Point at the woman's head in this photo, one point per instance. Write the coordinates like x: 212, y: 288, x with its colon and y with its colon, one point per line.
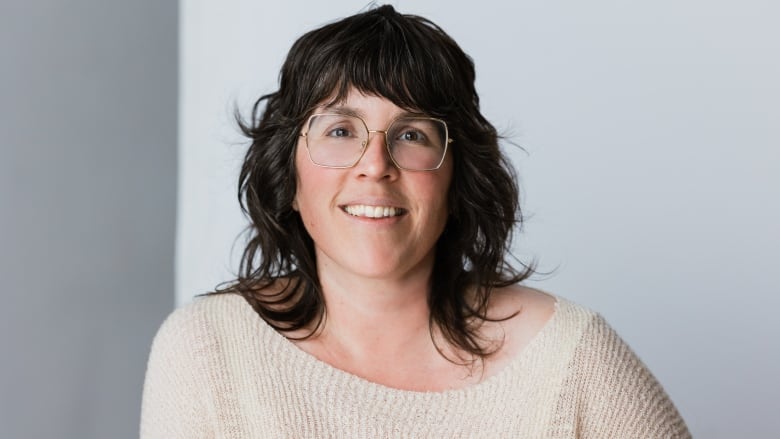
x: 416, y: 66
x: 406, y: 59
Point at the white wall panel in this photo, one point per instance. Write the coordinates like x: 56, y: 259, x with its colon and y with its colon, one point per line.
x: 650, y: 176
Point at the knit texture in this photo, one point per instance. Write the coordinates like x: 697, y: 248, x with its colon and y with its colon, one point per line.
x: 217, y: 370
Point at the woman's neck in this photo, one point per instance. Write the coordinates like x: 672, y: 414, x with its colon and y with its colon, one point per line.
x: 375, y: 316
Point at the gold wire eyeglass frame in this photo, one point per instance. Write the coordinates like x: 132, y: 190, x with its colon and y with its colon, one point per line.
x: 364, y: 145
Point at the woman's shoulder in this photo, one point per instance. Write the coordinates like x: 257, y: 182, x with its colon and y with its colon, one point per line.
x: 205, y: 308
x: 573, y: 333
x: 548, y: 322
x: 200, y: 320
x: 186, y: 367
x: 532, y: 309
x: 531, y: 303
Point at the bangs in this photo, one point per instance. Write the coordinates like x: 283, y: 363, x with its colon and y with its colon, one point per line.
x: 405, y: 59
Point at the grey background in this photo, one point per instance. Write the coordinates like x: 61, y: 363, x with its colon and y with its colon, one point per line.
x: 88, y: 96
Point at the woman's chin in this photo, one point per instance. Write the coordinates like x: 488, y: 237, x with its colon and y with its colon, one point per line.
x: 375, y: 267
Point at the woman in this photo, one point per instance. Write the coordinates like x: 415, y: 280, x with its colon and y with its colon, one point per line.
x: 374, y: 297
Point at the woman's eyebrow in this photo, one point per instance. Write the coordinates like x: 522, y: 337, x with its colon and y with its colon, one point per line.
x: 351, y: 111
x: 344, y: 110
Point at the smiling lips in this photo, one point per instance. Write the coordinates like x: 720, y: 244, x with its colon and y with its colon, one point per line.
x: 366, y: 211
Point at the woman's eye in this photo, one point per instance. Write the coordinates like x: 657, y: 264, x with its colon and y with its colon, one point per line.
x: 411, y: 136
x: 339, y: 132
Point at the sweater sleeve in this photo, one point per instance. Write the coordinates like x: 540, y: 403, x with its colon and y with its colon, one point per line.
x: 618, y: 397
x: 174, y: 404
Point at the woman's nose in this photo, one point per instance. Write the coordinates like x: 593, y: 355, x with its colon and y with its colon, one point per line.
x: 376, y: 161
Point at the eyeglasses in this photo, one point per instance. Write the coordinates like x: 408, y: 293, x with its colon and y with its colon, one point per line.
x: 413, y: 143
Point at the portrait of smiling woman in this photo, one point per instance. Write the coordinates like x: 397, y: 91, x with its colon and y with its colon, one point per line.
x: 377, y: 295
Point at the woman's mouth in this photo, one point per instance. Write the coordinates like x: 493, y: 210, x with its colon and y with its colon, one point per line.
x: 366, y: 211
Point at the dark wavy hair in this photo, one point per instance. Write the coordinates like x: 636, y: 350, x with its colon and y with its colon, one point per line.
x: 412, y: 62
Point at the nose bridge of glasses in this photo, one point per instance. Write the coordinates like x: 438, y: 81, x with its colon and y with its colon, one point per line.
x: 378, y: 131
x: 384, y: 148
x: 368, y: 138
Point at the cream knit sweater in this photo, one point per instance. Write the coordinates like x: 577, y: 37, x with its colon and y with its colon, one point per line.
x: 217, y: 370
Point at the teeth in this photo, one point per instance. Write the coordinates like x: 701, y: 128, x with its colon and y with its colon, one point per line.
x: 372, y: 211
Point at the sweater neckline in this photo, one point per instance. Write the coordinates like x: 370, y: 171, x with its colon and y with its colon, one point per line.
x: 340, y: 377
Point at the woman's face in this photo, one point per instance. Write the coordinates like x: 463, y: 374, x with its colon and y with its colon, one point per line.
x: 339, y: 206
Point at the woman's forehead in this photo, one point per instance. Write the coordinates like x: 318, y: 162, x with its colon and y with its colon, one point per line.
x: 355, y: 102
